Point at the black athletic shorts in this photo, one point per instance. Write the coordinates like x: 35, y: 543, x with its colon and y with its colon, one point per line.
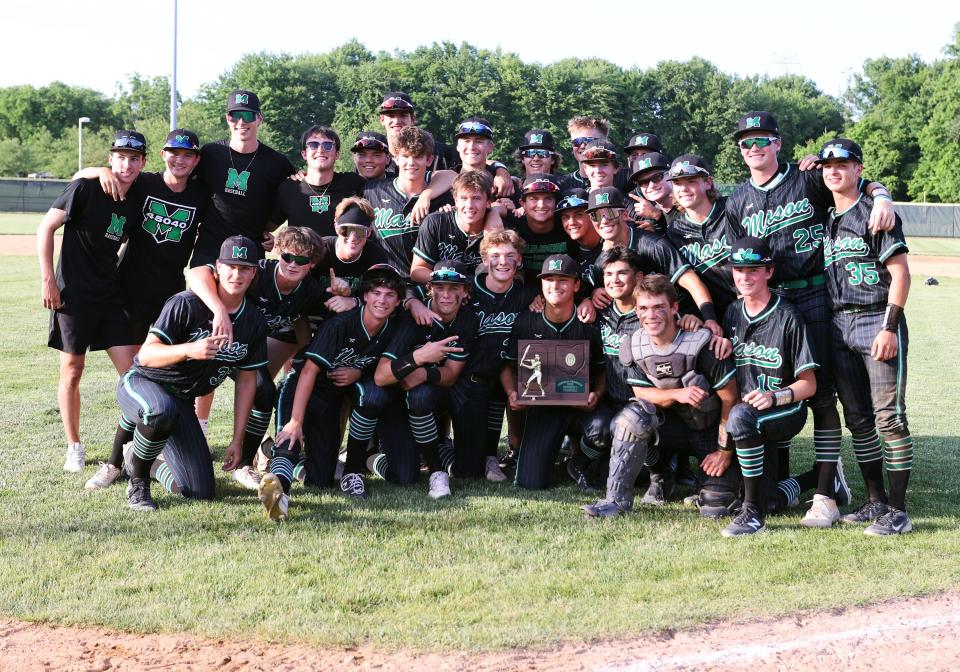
x: 77, y: 330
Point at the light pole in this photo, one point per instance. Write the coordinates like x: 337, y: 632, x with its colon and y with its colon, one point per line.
x: 173, y: 78
x: 80, y: 122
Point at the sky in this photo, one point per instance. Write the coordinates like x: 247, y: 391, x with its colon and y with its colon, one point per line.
x: 99, y: 43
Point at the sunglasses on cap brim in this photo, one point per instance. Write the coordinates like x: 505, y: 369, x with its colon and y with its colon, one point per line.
x: 540, y: 186
x: 127, y: 142
x: 474, y: 128
x: 840, y: 154
x: 396, y: 104
x: 368, y: 143
x: 571, y: 202
x: 688, y: 170
x: 446, y: 275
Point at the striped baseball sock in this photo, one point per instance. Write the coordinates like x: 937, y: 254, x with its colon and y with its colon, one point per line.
x: 827, y: 437
x: 379, y: 465
x: 424, y: 429
x: 495, y: 411
x: 257, y: 424
x: 163, y: 474
x: 148, y: 442
x: 898, y: 460
x: 123, y: 435
x: 866, y: 448
x: 362, y: 429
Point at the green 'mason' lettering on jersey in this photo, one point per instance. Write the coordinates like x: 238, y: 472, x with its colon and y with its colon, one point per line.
x: 706, y: 255
x: 115, y: 230
x: 843, y: 248
x: 756, y: 354
x: 611, y: 340
x: 237, y: 180
x: 389, y: 224
x: 319, y: 203
x: 766, y: 222
x: 165, y: 221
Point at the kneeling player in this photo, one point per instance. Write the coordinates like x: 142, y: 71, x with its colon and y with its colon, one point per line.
x: 775, y: 373
x: 339, y: 362
x: 180, y: 361
x: 682, y: 393
x: 868, y: 279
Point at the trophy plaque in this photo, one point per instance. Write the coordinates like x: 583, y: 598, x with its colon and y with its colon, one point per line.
x: 553, y: 373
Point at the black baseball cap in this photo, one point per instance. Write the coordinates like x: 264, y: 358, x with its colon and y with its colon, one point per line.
x: 756, y: 121
x: 181, y: 138
x: 447, y: 271
x: 540, y: 183
x: 689, y: 165
x: 645, y: 141
x: 842, y: 149
x: 370, y: 140
x: 131, y: 140
x: 750, y: 251
x: 382, y: 269
x: 396, y: 101
x: 538, y: 138
x: 474, y: 126
x: 600, y: 150
x: 573, y: 199
x: 605, y: 197
x: 239, y: 251
x: 648, y: 162
x: 241, y: 99
x: 559, y: 264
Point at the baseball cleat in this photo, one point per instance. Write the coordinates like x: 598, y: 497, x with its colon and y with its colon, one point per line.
x: 138, y: 495
x: 604, y: 508
x: 509, y: 459
x: 273, y: 498
x: 823, y: 513
x: 659, y: 490
x: 867, y: 512
x: 105, y: 476
x: 439, y: 484
x: 749, y: 521
x: 247, y: 477
x: 842, y: 495
x: 493, y: 471
x: 579, y: 476
x: 261, y: 461
x: 894, y: 521
x: 353, y: 485
x: 76, y: 458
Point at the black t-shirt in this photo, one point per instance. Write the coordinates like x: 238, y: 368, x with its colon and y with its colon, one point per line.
x: 343, y: 341
x: 302, y: 204
x: 185, y: 319
x: 242, y: 189
x: 281, y: 311
x: 351, y: 271
x: 496, y: 314
x: 540, y: 245
x: 441, y: 238
x: 160, y: 244
x: 410, y: 336
x: 87, y: 272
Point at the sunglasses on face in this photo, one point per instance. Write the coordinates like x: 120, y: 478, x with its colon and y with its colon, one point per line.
x: 581, y: 141
x: 597, y: 216
x: 126, y: 142
x: 355, y: 230
x: 298, y: 259
x: 749, y: 143
x: 395, y: 103
x: 536, y: 153
x: 242, y: 115
x: 325, y: 145
x: 656, y: 178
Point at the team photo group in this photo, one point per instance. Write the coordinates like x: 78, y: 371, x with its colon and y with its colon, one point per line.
x: 625, y: 326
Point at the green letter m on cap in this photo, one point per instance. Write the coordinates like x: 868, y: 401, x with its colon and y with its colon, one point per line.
x: 753, y: 122
x: 239, y: 253
x: 603, y: 199
x: 536, y: 138
x: 557, y: 264
x: 242, y: 98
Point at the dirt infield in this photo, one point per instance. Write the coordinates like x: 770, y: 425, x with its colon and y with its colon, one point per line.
x: 906, y: 635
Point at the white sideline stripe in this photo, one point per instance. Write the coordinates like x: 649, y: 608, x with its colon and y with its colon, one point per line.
x: 746, y: 652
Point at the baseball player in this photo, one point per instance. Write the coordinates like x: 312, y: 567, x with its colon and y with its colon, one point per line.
x: 371, y: 155
x: 644, y: 213
x: 354, y: 249
x: 538, y: 153
x: 85, y: 294
x: 583, y: 130
x: 775, y: 373
x: 397, y: 113
x: 572, y: 210
x: 682, y: 394
x: 868, y: 279
x: 312, y: 201
x: 182, y: 359
x: 650, y: 174
x: 787, y: 207
x: 538, y: 226
x: 600, y: 163
x: 337, y: 365
x: 426, y: 362
x: 544, y: 426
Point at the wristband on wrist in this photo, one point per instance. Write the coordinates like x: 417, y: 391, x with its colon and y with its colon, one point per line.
x: 882, y: 197
x: 783, y: 397
x: 707, y: 311
x: 403, y: 366
x: 891, y: 318
x: 433, y: 375
x: 496, y: 165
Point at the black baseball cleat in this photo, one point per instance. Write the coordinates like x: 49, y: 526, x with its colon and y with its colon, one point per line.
x: 894, y: 521
x: 509, y: 459
x: 659, y: 490
x: 353, y: 485
x: 138, y: 495
x: 867, y: 512
x: 579, y: 476
x: 748, y: 521
x: 604, y: 508
x: 842, y: 494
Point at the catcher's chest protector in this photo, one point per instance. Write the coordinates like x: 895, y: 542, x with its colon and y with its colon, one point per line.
x: 666, y: 366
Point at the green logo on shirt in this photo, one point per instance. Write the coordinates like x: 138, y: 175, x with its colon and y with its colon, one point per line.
x: 237, y: 182
x: 165, y: 221
x: 319, y: 203
x: 115, y: 230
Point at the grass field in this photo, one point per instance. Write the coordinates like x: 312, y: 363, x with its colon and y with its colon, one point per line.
x: 490, y: 567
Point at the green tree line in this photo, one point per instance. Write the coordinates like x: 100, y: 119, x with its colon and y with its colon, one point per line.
x: 906, y: 113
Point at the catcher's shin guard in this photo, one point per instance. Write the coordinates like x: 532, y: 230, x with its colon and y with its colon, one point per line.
x: 632, y: 428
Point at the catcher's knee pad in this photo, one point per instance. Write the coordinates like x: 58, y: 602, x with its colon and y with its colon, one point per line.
x: 637, y: 421
x: 720, y: 495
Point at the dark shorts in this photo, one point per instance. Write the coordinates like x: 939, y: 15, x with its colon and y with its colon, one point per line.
x: 141, y: 319
x: 77, y: 330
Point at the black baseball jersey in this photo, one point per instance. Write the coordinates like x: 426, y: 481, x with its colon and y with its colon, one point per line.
x: 343, y: 341
x: 659, y: 224
x: 575, y: 180
x: 242, y: 189
x: 160, y: 243
x: 397, y: 233
x: 351, y: 271
x: 302, y: 204
x: 93, y: 230
x: 789, y: 212
x: 496, y: 314
x: 440, y: 237
x: 444, y: 157
x: 854, y: 259
x: 531, y: 326
x: 410, y: 336
x: 706, y: 247
x: 281, y: 311
x: 656, y: 254
x: 718, y: 372
x: 614, y: 326
x: 185, y: 319
x: 771, y: 348
x: 539, y: 246
x: 587, y: 258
